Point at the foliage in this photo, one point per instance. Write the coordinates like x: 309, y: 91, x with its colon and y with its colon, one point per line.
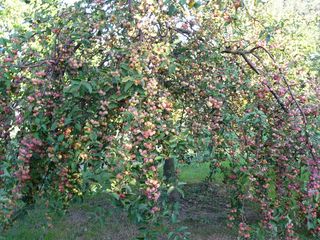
x: 99, y: 94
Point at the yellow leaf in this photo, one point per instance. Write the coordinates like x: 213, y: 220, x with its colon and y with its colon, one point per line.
x: 191, y: 3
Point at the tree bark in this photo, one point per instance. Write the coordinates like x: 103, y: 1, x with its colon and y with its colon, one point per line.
x: 169, y: 172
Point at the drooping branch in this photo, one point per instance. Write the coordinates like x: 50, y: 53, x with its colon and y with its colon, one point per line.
x: 304, y: 118
x: 244, y: 54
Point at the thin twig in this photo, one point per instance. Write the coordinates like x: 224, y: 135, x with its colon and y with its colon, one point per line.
x: 244, y: 54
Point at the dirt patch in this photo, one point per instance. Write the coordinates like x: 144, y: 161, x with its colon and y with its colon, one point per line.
x: 99, y: 219
x: 204, y: 210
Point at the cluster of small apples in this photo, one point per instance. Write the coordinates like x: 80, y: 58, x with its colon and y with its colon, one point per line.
x: 5, y: 113
x: 29, y: 146
x: 244, y: 230
x: 278, y: 144
x: 64, y: 182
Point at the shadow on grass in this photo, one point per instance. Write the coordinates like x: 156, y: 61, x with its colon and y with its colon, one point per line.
x: 97, y: 218
x: 203, y: 210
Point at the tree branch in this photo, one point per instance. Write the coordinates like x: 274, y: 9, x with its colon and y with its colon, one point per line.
x: 244, y: 54
x: 304, y: 118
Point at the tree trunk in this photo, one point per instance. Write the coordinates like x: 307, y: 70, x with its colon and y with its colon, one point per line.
x: 169, y: 172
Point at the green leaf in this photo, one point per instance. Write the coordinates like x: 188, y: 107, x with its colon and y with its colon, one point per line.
x: 174, y: 218
x: 170, y: 190
x: 53, y: 126
x: 310, y: 225
x: 60, y: 138
x: 170, y: 235
x: 158, y: 158
x: 67, y: 121
x: 182, y: 229
x: 78, y: 127
x: 128, y: 86
x: 172, y: 68
x: 124, y: 66
x: 181, y: 192
x: 126, y: 79
x: 87, y: 86
x: 197, y: 4
x: 172, y: 10
x: 225, y: 164
x: 3, y: 41
x: 112, y: 105
x: 116, y: 196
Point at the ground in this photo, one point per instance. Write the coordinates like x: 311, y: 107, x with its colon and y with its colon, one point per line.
x: 203, y: 210
x: 96, y: 218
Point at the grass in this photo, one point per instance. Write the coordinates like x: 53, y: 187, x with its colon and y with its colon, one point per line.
x: 193, y: 173
x: 203, y: 212
x: 94, y: 218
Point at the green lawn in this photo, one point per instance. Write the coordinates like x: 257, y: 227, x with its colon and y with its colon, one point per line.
x: 193, y: 173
